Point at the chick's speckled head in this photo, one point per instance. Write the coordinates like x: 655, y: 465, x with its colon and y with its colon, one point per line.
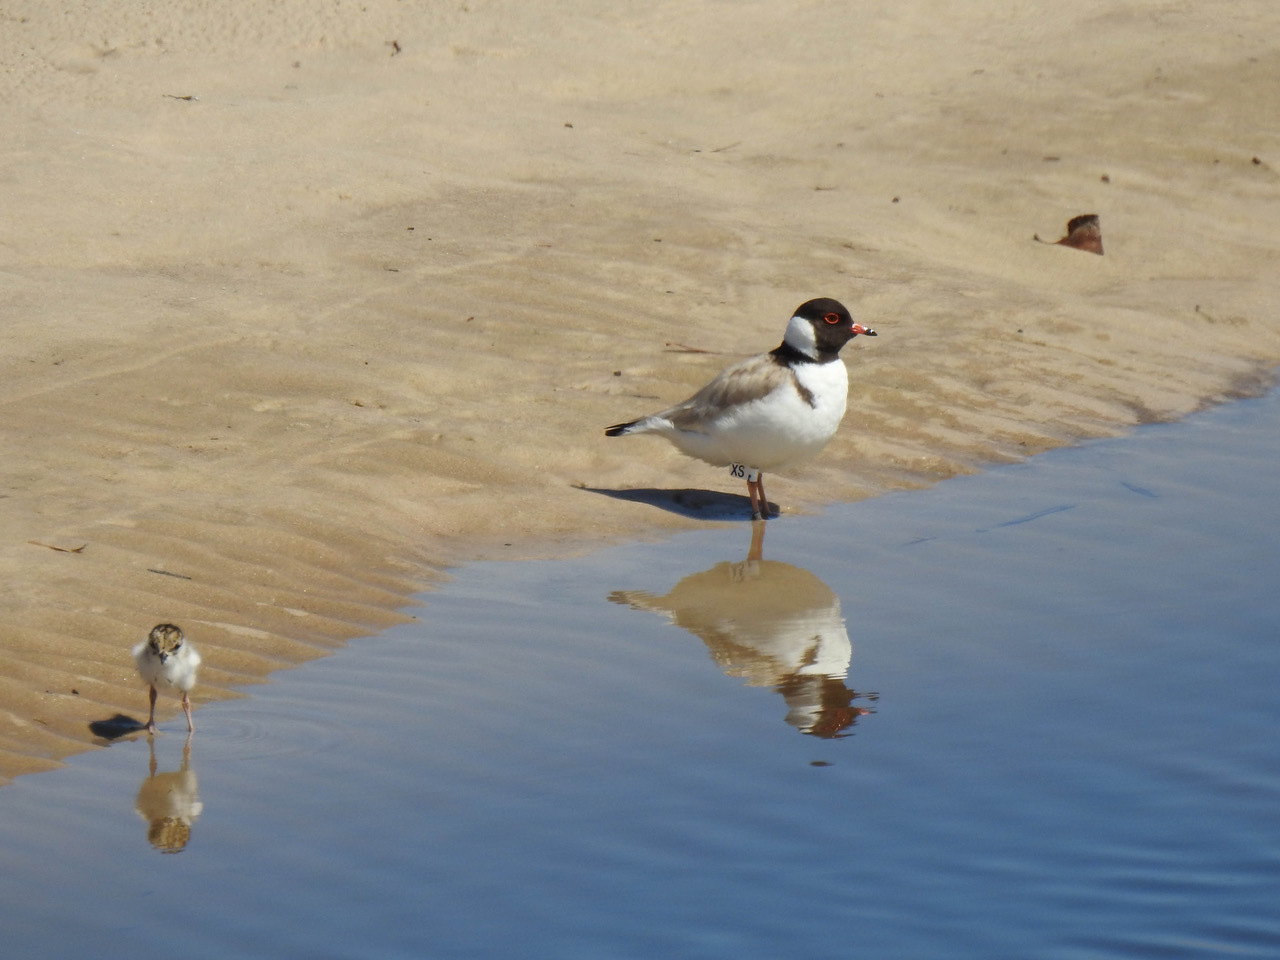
x: 165, y: 640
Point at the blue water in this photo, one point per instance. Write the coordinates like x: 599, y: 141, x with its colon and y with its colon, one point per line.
x: 1050, y: 718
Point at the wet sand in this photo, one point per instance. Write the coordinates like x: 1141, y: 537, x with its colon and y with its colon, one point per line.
x: 305, y: 306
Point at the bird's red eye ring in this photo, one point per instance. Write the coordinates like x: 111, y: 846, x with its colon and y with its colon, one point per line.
x: 832, y: 318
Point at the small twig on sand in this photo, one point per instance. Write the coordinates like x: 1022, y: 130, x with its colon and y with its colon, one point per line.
x: 50, y: 546
x: 166, y: 573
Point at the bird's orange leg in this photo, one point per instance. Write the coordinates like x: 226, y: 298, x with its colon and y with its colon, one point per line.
x: 151, y: 716
x: 759, y: 502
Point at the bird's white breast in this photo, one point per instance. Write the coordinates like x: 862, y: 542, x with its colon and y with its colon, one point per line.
x: 828, y: 384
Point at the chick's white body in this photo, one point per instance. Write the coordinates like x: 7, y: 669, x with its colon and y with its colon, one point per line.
x: 172, y: 671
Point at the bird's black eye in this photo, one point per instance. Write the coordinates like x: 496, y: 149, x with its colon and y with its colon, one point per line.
x: 832, y: 318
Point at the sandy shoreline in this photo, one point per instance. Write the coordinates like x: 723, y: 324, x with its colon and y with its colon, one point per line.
x: 278, y: 355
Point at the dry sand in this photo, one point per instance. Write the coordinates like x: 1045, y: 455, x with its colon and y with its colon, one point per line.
x: 305, y: 302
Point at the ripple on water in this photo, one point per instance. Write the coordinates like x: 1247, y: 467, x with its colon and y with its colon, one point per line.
x: 269, y: 729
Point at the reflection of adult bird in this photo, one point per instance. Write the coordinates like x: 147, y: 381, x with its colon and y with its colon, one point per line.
x: 771, y: 410
x: 170, y: 803
x: 772, y: 625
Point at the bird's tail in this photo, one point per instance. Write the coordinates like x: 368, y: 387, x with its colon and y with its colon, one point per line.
x: 622, y: 429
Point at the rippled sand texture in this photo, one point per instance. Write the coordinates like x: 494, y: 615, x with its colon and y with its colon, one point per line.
x: 305, y: 303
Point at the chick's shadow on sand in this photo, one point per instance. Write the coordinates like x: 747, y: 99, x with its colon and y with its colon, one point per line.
x: 113, y: 728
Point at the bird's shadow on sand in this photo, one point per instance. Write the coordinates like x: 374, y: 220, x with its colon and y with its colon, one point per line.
x: 695, y: 504
x: 115, y: 727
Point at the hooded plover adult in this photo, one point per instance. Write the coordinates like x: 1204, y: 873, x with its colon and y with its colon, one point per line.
x: 771, y: 410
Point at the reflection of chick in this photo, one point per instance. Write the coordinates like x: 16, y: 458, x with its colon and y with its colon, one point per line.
x: 165, y: 659
x: 170, y: 804
x: 771, y: 624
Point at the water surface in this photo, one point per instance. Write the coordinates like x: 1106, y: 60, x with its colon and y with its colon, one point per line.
x: 1030, y: 713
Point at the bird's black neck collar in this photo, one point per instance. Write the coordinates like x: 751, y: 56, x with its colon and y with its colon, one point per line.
x: 789, y: 356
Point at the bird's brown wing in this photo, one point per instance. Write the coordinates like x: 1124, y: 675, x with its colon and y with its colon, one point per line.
x: 741, y: 383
